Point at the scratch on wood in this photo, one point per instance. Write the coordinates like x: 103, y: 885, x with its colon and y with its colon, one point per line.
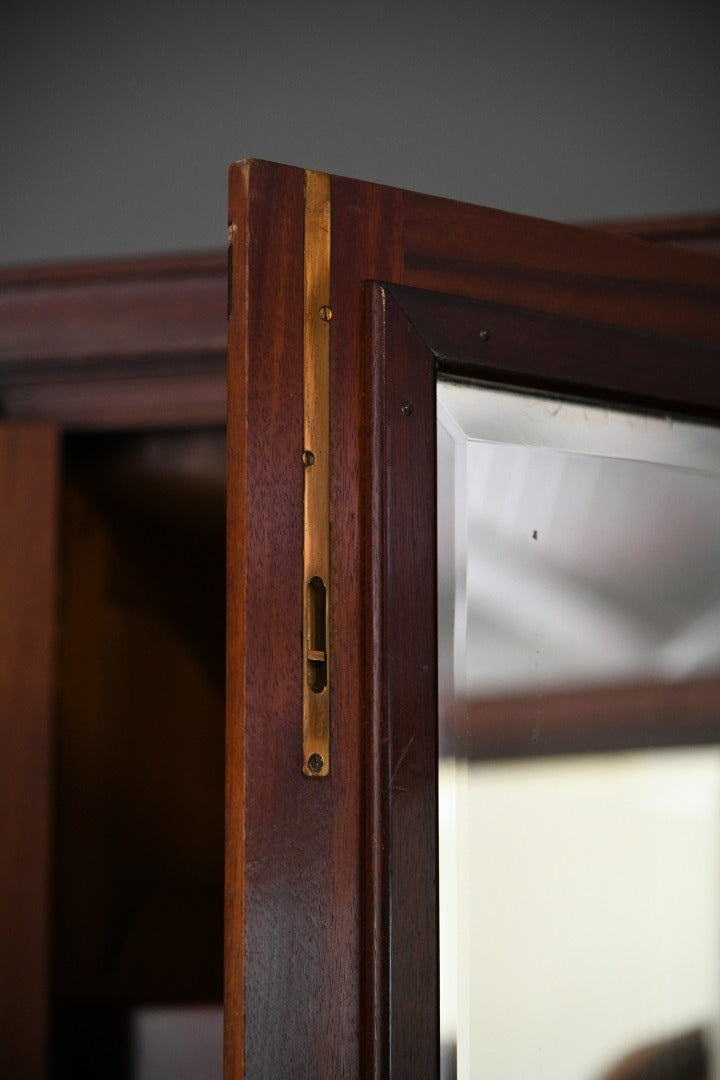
x: 401, y: 759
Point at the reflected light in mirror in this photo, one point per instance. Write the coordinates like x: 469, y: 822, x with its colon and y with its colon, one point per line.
x: 579, y: 783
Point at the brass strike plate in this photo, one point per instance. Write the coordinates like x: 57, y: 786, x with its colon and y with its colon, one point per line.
x: 316, y: 536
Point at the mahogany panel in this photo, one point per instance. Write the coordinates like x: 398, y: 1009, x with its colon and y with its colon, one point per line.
x: 284, y: 1007
x: 28, y: 502
x: 561, y: 269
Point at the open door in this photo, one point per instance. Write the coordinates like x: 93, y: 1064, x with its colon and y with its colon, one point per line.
x: 348, y: 302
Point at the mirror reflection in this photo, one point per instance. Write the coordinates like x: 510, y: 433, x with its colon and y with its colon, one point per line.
x: 579, y: 772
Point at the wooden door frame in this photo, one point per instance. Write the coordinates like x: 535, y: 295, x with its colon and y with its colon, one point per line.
x: 309, y: 984
x: 417, y: 338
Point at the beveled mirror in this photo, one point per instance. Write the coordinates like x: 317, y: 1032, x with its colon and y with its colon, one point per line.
x: 579, y: 689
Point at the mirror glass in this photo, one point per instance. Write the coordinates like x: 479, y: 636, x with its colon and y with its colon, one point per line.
x: 579, y: 776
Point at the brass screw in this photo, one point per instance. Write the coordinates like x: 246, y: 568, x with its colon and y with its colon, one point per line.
x: 308, y: 457
x: 484, y: 334
x: 316, y: 763
x: 406, y: 408
x: 326, y: 313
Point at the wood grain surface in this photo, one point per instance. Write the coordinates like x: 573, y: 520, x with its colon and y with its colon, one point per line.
x: 402, y: 658
x: 511, y: 346
x: 273, y: 868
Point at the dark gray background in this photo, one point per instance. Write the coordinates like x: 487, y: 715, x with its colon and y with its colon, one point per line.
x: 119, y: 120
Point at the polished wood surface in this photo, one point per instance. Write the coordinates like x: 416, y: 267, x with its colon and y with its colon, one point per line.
x: 268, y: 858
x: 559, y: 269
x: 29, y: 475
x: 302, y: 839
x: 511, y: 346
x: 371, y: 213
x: 402, y: 658
x: 309, y: 978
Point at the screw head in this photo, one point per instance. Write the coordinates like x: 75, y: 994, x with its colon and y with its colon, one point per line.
x: 484, y: 334
x: 406, y: 408
x: 316, y: 763
x: 326, y: 313
x: 308, y: 457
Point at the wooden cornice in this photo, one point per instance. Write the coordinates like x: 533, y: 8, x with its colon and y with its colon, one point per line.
x: 128, y: 343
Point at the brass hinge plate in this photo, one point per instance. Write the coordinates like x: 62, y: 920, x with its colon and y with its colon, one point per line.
x: 316, y: 537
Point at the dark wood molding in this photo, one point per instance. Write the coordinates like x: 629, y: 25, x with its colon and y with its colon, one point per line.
x: 98, y: 395
x: 366, y: 243
x: 510, y: 346
x: 113, y: 310
x: 138, y: 343
x: 401, y: 839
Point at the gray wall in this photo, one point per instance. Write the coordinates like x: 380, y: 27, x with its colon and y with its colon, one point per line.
x: 119, y: 120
